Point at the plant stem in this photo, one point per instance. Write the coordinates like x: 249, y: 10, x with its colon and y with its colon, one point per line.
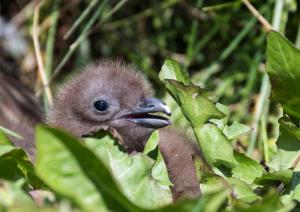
x: 297, y: 43
x: 81, y: 37
x: 264, y: 94
x: 267, y: 26
x: 37, y: 49
x: 50, y: 44
x: 84, y: 14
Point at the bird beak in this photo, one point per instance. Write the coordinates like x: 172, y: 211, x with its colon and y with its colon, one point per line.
x: 141, y: 116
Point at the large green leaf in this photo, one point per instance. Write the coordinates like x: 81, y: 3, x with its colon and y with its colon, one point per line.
x: 199, y: 110
x: 74, y: 171
x: 144, y: 181
x: 283, y: 62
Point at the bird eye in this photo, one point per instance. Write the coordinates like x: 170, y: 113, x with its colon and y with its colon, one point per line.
x: 100, y: 105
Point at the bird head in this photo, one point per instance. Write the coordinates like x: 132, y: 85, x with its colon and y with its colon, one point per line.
x: 111, y: 96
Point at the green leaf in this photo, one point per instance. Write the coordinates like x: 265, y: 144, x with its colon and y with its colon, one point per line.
x: 4, y: 139
x: 294, y: 187
x: 269, y: 203
x: 159, y: 170
x: 283, y: 176
x: 211, y: 183
x: 160, y: 173
x: 216, y: 148
x: 221, y: 123
x: 197, y: 108
x: 171, y: 70
x: 151, y: 143
x: 296, y: 193
x: 283, y: 62
x: 232, y: 131
x: 144, y: 181
x: 16, y: 164
x: 72, y: 170
x: 288, y: 145
x: 247, y: 169
x: 235, y: 130
x: 242, y: 191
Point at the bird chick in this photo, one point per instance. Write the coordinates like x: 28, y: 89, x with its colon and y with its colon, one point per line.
x: 115, y: 97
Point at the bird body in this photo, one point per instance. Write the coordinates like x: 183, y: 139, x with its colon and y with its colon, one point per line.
x: 19, y: 111
x: 114, y: 96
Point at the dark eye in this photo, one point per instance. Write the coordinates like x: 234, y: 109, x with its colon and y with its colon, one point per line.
x: 100, y: 105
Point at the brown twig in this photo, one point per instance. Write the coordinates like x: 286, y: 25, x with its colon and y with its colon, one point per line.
x: 267, y: 26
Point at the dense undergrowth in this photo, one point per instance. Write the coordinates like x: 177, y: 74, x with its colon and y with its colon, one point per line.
x: 249, y: 167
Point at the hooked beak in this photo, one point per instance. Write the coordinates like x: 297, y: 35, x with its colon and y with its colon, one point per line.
x: 141, y: 116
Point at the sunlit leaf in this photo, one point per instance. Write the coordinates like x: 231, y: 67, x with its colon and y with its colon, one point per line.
x: 68, y: 170
x: 144, y: 181
x: 283, y: 62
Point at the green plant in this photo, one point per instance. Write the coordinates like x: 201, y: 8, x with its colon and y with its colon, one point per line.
x: 246, y: 168
x: 96, y: 174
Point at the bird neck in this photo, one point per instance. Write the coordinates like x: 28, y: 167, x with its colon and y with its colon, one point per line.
x: 133, y: 139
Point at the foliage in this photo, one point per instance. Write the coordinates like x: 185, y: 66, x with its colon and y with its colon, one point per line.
x: 251, y: 158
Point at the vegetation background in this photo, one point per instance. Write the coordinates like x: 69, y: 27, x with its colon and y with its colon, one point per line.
x: 220, y: 43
